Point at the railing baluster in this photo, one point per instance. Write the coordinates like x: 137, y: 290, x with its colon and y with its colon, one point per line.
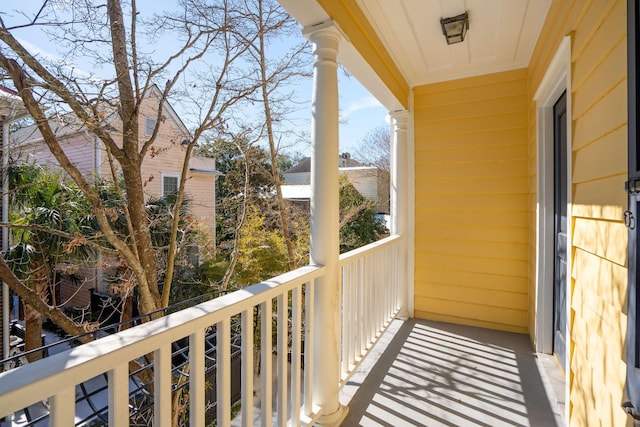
x: 63, y: 405
x: 266, y: 376
x: 376, y: 275
x: 282, y: 338
x: 196, y: 379
x: 118, y: 378
x: 394, y: 277
x: 383, y: 293
x: 366, y: 294
x: 223, y: 372
x: 376, y: 297
x: 308, y: 347
x: 360, y: 312
x: 162, y: 386
x: 399, y: 274
x: 296, y: 335
x: 346, y: 326
x: 388, y: 285
x: 384, y: 285
x: 396, y: 270
x: 247, y: 367
x: 380, y: 293
x: 368, y: 301
x: 352, y: 315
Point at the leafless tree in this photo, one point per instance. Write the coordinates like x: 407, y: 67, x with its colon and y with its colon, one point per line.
x: 273, y: 77
x: 375, y: 149
x: 128, y: 54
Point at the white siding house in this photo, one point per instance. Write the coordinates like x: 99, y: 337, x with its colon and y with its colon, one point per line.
x: 371, y: 182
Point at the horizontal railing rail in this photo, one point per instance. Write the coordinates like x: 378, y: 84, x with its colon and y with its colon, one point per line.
x: 286, y: 301
x: 271, y: 320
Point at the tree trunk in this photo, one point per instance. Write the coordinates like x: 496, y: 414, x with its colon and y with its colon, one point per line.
x: 150, y: 299
x: 29, y: 296
x: 38, y: 282
x: 33, y: 332
x: 284, y: 220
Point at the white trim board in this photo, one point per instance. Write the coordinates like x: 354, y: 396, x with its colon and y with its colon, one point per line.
x: 557, y: 79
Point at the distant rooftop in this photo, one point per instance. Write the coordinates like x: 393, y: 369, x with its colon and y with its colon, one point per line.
x: 304, y: 165
x: 11, y: 105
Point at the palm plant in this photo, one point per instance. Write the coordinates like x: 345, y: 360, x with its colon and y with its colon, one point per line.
x: 47, y: 215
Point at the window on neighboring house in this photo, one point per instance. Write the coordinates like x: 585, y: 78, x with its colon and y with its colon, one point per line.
x: 149, y: 126
x: 631, y: 215
x: 169, y: 184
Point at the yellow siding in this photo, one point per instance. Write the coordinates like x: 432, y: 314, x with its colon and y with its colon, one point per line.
x: 599, y: 243
x: 476, y: 194
x: 471, y: 244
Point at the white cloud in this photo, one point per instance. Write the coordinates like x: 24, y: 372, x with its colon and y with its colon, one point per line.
x: 38, y: 52
x: 360, y: 104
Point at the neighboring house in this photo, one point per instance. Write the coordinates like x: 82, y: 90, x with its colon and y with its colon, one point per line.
x: 161, y: 168
x: 371, y: 182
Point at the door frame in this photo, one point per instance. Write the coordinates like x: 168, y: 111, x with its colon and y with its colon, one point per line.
x: 557, y: 79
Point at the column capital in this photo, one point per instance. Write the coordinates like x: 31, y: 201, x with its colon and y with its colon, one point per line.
x: 399, y: 117
x: 325, y: 30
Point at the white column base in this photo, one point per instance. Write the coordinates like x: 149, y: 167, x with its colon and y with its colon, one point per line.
x: 403, y: 314
x: 335, y: 419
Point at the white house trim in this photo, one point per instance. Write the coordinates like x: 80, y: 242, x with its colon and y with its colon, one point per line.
x: 400, y: 200
x: 164, y: 175
x: 556, y: 80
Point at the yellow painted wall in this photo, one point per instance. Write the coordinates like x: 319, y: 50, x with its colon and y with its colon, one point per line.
x: 598, y: 279
x: 476, y: 195
x: 471, y: 241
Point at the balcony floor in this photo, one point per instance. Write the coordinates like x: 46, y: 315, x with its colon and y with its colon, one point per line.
x: 425, y: 373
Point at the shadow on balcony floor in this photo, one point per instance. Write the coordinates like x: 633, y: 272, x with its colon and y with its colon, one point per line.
x: 439, y: 374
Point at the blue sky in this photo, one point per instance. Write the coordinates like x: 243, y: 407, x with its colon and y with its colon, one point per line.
x: 360, y: 112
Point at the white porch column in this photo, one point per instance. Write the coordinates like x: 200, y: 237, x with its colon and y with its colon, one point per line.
x: 400, y: 201
x: 325, y: 240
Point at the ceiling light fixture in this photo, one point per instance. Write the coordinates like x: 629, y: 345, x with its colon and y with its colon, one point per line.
x: 455, y: 28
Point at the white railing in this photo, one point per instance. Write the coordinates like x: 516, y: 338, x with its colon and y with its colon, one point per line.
x: 370, y: 301
x: 369, y: 285
x: 54, y: 379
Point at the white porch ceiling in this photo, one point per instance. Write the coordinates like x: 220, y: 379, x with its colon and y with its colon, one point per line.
x: 502, y: 35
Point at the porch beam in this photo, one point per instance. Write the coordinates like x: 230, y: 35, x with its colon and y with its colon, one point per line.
x: 325, y: 244
x: 400, y: 202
